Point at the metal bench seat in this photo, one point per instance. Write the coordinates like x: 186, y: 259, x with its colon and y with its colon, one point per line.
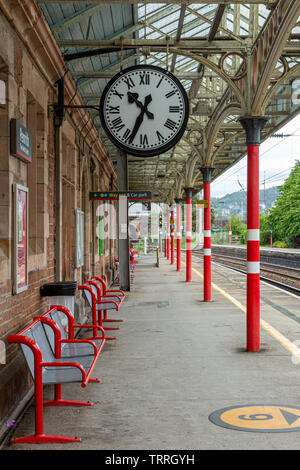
x: 66, y: 374
x: 79, y: 349
x: 69, y: 346
x: 105, y: 302
x: 92, y: 294
x: 109, y: 292
x: 47, y: 366
x: 102, y: 302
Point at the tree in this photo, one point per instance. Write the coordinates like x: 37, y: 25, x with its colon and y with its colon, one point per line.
x: 237, y: 226
x: 265, y: 229
x: 284, y: 217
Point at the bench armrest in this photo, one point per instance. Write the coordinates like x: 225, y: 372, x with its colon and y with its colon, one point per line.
x: 113, y: 296
x: 68, y: 364
x: 107, y: 302
x: 116, y: 290
x: 81, y: 341
x: 92, y: 326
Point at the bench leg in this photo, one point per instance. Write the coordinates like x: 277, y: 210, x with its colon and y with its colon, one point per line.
x: 95, y: 380
x: 39, y: 437
x: 63, y: 402
x: 105, y: 319
x: 44, y: 438
x: 59, y: 401
x: 112, y: 320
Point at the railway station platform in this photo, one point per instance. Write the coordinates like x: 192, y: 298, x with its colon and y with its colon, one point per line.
x: 176, y: 361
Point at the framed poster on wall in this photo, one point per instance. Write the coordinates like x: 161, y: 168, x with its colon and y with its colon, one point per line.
x: 20, y: 259
x: 100, y: 236
x: 79, y: 238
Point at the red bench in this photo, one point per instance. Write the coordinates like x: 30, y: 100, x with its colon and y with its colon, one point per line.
x: 47, y: 366
x: 116, y: 294
x: 92, y: 293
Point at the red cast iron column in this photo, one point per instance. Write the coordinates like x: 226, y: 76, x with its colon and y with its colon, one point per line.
x: 165, y: 235
x: 189, y: 193
x: 178, y: 233
x: 253, y: 126
x: 168, y: 235
x: 207, y: 175
x: 172, y: 227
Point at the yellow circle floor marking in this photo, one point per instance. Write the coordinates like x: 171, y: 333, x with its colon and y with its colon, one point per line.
x: 258, y: 418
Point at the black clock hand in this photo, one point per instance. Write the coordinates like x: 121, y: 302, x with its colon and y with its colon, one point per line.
x: 140, y: 118
x: 132, y: 97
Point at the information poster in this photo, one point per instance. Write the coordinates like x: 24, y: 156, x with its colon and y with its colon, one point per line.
x: 100, y: 236
x: 21, y: 239
x: 79, y: 239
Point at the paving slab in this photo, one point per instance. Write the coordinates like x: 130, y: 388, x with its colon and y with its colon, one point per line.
x: 178, y: 359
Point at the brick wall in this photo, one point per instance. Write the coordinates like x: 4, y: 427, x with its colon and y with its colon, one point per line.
x: 30, y: 89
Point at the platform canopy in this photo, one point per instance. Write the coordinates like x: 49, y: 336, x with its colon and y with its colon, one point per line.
x: 234, y: 59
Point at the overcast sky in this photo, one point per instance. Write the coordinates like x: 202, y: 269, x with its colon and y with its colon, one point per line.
x: 277, y: 157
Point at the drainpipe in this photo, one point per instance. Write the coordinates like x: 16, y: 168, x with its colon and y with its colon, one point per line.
x: 58, y: 121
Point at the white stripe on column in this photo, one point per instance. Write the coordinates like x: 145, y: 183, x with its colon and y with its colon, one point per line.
x: 207, y: 233
x: 253, y: 235
x: 178, y: 235
x: 207, y: 251
x: 188, y: 234
x: 253, y: 267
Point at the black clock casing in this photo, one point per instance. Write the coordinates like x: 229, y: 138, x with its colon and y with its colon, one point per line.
x: 144, y: 110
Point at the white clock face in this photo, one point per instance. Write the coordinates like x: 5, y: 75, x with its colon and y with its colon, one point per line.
x: 144, y: 110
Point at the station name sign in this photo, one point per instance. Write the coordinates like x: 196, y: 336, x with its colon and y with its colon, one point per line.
x: 20, y: 141
x: 114, y: 195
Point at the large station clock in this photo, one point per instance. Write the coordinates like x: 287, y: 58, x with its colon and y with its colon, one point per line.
x: 144, y: 110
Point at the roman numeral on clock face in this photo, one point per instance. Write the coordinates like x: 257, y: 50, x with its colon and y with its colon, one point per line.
x: 171, y: 93
x: 143, y: 139
x: 159, y: 82
x: 144, y: 79
x: 159, y: 136
x: 170, y: 124
x: 117, y: 124
x: 116, y: 93
x: 129, y: 82
x: 113, y: 109
x: 174, y: 109
x: 126, y: 134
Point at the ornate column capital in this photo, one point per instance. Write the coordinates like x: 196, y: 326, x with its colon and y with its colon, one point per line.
x: 253, y: 125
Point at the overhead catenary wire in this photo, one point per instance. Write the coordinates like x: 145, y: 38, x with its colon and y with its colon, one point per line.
x: 266, y: 151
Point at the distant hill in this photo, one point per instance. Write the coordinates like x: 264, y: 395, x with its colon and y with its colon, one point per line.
x: 236, y: 203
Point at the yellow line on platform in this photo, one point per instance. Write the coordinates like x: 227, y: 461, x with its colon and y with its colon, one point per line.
x: 285, y: 342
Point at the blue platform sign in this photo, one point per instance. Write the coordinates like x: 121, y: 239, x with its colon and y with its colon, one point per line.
x: 20, y: 141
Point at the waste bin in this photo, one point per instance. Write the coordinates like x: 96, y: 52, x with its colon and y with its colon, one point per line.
x: 60, y: 293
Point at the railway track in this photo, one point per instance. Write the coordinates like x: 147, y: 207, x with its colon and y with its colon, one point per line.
x: 284, y: 277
